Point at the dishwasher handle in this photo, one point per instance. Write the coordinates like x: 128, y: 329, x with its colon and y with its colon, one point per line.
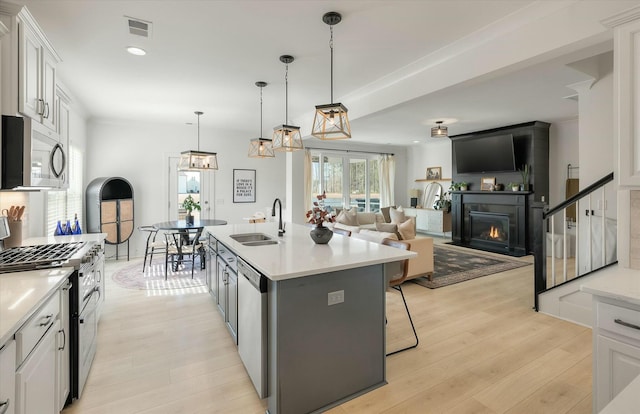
x: 257, y: 280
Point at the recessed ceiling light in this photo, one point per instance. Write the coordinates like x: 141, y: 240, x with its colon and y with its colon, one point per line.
x: 416, y: 141
x: 136, y: 51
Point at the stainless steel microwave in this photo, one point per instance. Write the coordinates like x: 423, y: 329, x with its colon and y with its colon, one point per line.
x: 31, y: 159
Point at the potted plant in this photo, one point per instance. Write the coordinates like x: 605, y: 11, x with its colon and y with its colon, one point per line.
x: 514, y: 186
x: 318, y: 215
x: 190, y: 204
x: 443, y: 202
x: 459, y: 186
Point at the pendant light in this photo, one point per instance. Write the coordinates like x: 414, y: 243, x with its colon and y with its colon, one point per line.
x: 261, y: 147
x: 439, y: 131
x: 331, y: 121
x: 286, y: 137
x: 198, y: 160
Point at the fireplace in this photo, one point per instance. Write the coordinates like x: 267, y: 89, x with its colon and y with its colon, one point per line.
x: 489, y: 230
x: 494, y: 221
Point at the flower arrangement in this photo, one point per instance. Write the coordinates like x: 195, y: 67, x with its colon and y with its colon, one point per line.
x: 319, y: 213
x: 190, y: 204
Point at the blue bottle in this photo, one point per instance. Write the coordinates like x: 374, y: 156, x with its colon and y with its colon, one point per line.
x: 58, y: 231
x: 76, y: 226
x: 67, y: 229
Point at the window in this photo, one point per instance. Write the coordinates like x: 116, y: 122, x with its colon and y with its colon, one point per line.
x: 347, y: 180
x: 188, y: 184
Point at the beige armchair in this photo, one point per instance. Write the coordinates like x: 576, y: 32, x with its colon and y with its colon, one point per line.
x: 422, y: 265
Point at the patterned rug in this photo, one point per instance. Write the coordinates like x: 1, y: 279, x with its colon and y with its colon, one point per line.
x: 456, y: 265
x: 153, y: 278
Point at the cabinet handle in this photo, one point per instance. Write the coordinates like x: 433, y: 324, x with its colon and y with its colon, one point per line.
x: 627, y: 324
x: 40, y: 106
x: 4, y: 405
x: 46, y: 110
x: 64, y: 336
x: 47, y: 319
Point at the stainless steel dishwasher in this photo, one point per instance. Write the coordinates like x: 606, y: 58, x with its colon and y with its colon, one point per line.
x: 252, y: 324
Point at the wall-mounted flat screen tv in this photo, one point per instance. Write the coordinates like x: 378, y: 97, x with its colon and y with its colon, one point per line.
x: 492, y: 153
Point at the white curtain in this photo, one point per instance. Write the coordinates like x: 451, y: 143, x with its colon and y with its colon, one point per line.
x: 387, y: 178
x: 307, y: 180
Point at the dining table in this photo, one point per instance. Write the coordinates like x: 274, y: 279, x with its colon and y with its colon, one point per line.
x: 184, y: 228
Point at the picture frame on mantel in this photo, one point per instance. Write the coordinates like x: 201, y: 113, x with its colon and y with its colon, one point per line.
x: 244, y: 186
x: 434, y: 173
x: 488, y: 183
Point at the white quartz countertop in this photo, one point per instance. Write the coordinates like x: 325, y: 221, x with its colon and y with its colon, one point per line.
x: 22, y: 293
x: 297, y: 255
x: 616, y: 283
x: 85, y: 237
x: 627, y: 401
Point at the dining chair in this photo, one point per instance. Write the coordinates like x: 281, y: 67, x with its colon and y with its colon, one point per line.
x: 152, y: 246
x: 396, y: 275
x: 181, y: 244
x: 341, y: 231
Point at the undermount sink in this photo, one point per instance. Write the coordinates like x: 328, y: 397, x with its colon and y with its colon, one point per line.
x: 260, y: 243
x: 251, y: 237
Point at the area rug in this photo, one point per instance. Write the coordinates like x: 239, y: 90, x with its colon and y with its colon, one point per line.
x: 453, y: 265
x: 153, y: 278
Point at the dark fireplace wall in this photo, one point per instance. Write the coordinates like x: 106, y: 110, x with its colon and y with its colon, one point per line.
x: 531, y: 147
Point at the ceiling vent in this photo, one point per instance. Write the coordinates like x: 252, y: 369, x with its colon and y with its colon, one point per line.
x: 139, y: 27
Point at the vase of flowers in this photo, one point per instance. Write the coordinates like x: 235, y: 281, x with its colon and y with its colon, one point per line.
x: 318, y: 215
x: 190, y: 204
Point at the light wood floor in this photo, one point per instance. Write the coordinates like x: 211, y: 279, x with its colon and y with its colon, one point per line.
x: 482, y: 350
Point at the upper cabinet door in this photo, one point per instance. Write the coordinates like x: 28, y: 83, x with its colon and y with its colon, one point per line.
x: 627, y: 95
x: 49, y: 115
x: 30, y: 67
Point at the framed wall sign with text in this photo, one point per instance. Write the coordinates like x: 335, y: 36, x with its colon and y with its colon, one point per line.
x: 244, y: 186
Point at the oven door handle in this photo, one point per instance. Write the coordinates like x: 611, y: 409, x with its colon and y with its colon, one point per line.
x: 88, y: 295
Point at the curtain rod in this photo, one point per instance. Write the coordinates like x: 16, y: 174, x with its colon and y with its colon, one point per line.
x: 343, y: 150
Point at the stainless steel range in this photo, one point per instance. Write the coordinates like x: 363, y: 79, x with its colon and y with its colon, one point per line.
x: 85, y: 295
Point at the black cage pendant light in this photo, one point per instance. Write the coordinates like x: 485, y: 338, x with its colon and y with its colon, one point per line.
x: 331, y: 121
x: 439, y: 130
x: 261, y: 147
x: 286, y: 137
x: 198, y: 160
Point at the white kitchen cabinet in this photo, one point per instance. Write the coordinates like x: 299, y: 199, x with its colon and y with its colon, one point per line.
x: 29, y: 87
x: 63, y: 355
x: 430, y: 221
x: 8, y: 378
x: 626, y: 29
x: 616, y: 354
x: 36, y: 377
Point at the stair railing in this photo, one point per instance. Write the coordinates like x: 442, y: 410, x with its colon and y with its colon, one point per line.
x: 576, y: 248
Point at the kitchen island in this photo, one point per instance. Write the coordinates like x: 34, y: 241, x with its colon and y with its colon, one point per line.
x: 324, y: 314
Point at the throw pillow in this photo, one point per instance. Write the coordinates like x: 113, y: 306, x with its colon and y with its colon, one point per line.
x: 385, y: 213
x: 388, y: 228
x: 397, y: 215
x: 407, y: 229
x: 348, y: 217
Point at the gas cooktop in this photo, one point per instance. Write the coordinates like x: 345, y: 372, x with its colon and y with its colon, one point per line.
x: 40, y: 256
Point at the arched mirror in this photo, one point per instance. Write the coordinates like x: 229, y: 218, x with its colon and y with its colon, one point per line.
x: 432, y: 192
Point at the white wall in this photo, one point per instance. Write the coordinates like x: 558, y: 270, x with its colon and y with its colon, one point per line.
x: 435, y: 153
x: 139, y: 152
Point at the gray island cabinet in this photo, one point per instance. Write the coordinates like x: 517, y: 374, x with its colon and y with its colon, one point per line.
x: 325, y: 314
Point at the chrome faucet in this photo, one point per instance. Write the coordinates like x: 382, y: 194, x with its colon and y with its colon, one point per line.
x: 273, y: 214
